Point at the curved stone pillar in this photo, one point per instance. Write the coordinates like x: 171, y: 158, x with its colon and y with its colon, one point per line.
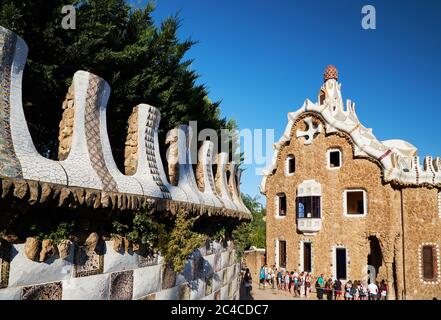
x: 18, y: 155
x: 233, y: 186
x: 238, y: 179
x: 90, y: 162
x: 221, y: 183
x: 187, y: 181
x: 142, y: 152
x: 205, y: 175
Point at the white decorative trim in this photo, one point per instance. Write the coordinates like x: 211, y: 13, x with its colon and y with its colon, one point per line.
x: 309, y: 188
x: 328, y: 158
x: 365, y: 204
x: 311, y: 132
x: 420, y: 262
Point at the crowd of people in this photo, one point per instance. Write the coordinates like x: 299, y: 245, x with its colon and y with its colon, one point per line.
x: 303, y: 284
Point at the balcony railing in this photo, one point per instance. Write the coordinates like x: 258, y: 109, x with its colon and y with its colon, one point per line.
x: 309, y: 225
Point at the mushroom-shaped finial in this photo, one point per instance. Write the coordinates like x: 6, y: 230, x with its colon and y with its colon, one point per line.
x: 330, y: 73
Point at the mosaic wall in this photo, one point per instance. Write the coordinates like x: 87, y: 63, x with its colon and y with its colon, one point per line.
x: 85, y: 275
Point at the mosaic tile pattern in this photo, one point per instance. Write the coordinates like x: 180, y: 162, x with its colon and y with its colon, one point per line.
x: 87, y: 262
x: 150, y: 297
x: 92, y: 127
x: 224, y: 277
x: 4, y: 265
x: 209, y: 285
x: 9, y: 163
x: 147, y: 260
x: 168, y: 277
x: 48, y: 291
x: 121, y: 285
x: 152, y: 125
x: 184, y: 292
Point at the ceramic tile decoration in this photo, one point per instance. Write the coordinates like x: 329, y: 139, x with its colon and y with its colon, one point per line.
x: 4, y: 265
x: 121, y: 285
x: 146, y: 280
x: 119, y: 261
x: 24, y: 272
x: 184, y: 292
x: 18, y: 156
x: 95, y: 287
x: 87, y: 159
x: 147, y: 260
x: 168, y: 277
x: 209, y: 285
x: 10, y: 293
x: 87, y: 262
x: 149, y: 171
x: 398, y: 158
x: 150, y: 297
x: 168, y: 294
x: 221, y: 181
x: 48, y: 291
x: 88, y: 171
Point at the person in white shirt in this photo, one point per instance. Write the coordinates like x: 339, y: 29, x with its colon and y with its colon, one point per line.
x: 287, y: 281
x: 373, y: 291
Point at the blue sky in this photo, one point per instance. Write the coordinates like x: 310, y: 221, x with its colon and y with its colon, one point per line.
x: 264, y: 58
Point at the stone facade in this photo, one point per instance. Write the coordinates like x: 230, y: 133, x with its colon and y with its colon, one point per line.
x: 392, y: 216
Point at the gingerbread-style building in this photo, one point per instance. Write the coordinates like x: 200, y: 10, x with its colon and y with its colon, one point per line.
x: 342, y: 203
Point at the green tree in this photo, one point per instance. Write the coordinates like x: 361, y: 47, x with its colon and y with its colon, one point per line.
x: 142, y: 62
x: 251, y: 233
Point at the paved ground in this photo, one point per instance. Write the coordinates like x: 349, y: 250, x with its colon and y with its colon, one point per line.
x: 270, y: 294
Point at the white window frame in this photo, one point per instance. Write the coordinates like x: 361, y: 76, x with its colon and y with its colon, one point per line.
x: 436, y: 281
x: 365, y: 204
x: 276, y: 206
x: 334, y: 261
x: 289, y: 157
x: 328, y: 158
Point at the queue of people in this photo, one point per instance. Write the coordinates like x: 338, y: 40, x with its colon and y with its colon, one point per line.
x: 301, y: 284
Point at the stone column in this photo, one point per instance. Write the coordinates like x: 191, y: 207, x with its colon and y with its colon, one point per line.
x: 391, y: 295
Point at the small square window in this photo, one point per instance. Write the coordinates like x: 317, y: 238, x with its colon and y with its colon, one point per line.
x: 355, y: 202
x: 334, y: 159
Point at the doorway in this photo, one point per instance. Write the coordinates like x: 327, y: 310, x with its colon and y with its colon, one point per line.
x: 307, y: 257
x: 341, y: 263
x: 374, y: 258
x: 282, y: 253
